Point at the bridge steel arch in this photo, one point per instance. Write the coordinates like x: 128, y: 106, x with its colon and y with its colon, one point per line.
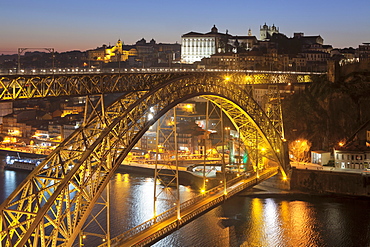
x: 51, y: 205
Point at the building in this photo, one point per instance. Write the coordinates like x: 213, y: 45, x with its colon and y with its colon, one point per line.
x: 355, y: 152
x: 153, y: 54
x: 267, y: 32
x: 364, y: 51
x: 195, y: 46
x: 320, y: 157
x: 106, y: 54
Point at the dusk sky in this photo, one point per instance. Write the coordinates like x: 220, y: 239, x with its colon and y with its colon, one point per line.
x: 81, y: 25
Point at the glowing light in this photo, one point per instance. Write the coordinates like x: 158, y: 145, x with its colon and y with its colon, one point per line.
x: 202, y: 191
x: 285, y: 178
x: 227, y: 78
x: 126, y: 177
x: 83, y: 236
x: 263, y: 149
x: 341, y: 144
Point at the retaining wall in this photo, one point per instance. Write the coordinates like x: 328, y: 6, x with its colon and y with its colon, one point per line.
x: 354, y: 184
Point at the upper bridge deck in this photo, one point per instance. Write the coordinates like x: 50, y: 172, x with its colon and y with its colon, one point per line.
x: 41, y: 83
x: 87, y: 71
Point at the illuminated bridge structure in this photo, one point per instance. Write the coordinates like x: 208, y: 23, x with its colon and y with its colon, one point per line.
x: 50, y: 207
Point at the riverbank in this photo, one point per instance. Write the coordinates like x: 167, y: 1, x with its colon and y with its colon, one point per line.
x: 16, y: 153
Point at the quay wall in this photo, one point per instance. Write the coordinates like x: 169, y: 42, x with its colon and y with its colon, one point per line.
x: 330, y: 182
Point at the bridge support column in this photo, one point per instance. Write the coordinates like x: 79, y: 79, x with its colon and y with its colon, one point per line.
x: 166, y: 168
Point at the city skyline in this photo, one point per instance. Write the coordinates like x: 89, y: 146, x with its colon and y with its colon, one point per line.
x: 81, y: 25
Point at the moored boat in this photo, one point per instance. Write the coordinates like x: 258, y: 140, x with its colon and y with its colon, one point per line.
x: 14, y: 163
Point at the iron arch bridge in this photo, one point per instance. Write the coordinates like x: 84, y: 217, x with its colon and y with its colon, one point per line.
x: 51, y: 205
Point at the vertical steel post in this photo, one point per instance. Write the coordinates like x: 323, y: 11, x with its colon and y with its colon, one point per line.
x: 257, y: 163
x: 223, y: 151
x: 156, y: 168
x: 205, y: 149
x: 239, y: 150
x: 108, y: 214
x: 109, y: 164
x: 177, y: 165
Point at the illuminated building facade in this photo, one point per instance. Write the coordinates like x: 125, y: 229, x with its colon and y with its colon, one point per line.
x: 116, y: 53
x: 195, y: 46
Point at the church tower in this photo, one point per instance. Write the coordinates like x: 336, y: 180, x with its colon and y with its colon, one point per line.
x: 266, y: 32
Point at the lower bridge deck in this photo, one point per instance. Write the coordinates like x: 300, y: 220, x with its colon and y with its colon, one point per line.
x: 167, y: 222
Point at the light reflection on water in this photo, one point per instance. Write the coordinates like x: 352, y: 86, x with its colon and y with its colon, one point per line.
x: 132, y: 200
x: 280, y: 220
x: 285, y: 221
x: 9, y: 180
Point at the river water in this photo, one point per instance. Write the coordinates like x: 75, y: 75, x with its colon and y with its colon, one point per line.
x: 244, y: 220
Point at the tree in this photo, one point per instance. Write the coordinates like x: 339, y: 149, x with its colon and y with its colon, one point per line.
x: 299, y: 150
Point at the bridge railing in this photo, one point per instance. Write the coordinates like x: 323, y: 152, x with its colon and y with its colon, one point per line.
x: 57, y: 71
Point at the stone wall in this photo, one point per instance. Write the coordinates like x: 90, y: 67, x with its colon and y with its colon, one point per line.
x: 337, y: 72
x: 321, y: 181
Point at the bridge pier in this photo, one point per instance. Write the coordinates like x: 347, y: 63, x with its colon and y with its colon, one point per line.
x: 278, y: 182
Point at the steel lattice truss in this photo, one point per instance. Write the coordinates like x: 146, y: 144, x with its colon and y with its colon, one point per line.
x: 51, y: 205
x: 39, y: 86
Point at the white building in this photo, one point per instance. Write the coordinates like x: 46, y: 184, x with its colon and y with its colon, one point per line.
x: 195, y: 46
x: 320, y: 157
x: 355, y: 153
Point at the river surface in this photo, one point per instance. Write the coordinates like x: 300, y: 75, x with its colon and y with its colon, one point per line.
x: 244, y: 220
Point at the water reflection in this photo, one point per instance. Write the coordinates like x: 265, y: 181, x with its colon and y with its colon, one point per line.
x: 9, y: 180
x: 286, y: 221
x: 281, y: 220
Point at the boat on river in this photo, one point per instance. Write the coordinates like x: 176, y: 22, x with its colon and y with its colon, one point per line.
x: 18, y: 163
